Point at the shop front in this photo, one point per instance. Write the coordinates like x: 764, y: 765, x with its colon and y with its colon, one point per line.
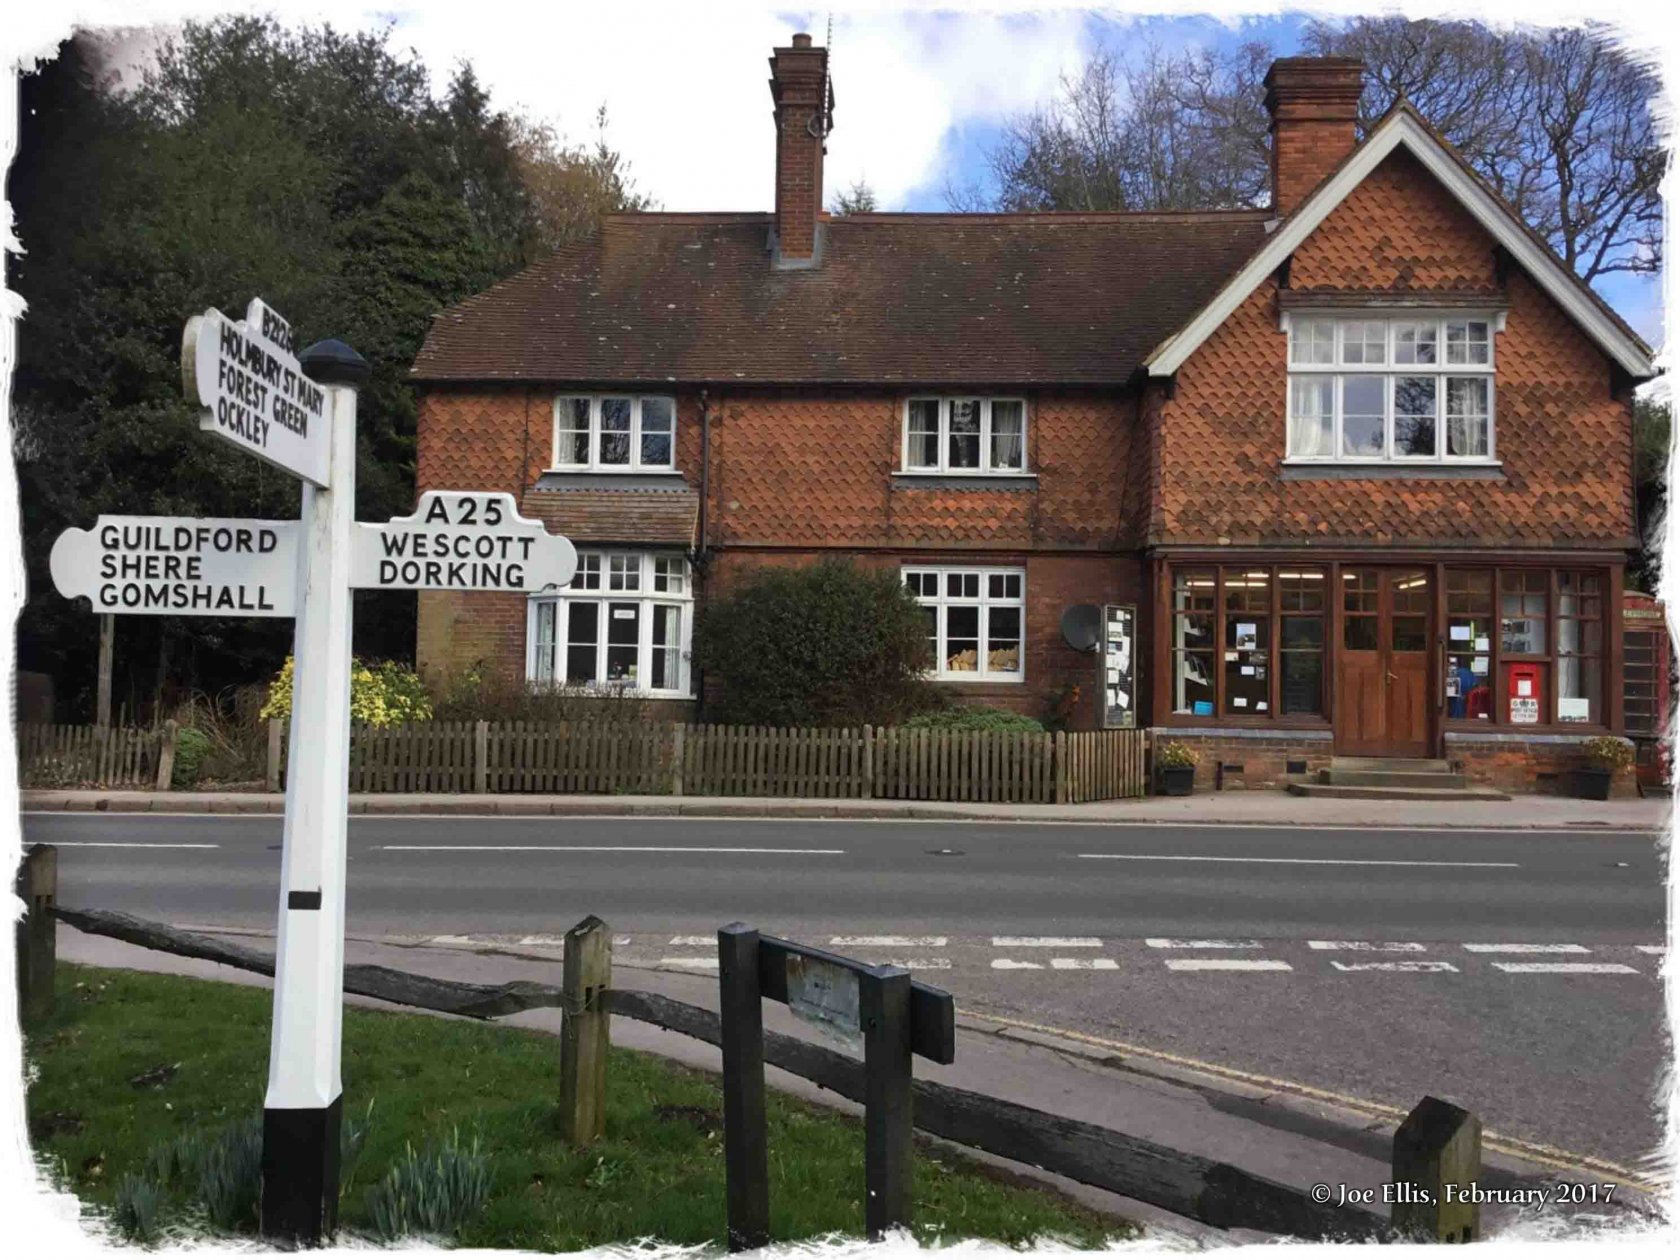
x: 1501, y: 662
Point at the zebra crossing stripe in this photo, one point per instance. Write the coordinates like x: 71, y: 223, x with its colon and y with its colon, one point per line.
x: 1381, y: 947
x: 1169, y: 942
x: 1046, y: 942
x: 1507, y: 948
x: 1410, y: 964
x: 1084, y: 964
x: 1652, y: 949
x: 1009, y: 964
x: 890, y: 942
x: 1568, y: 969
x: 1228, y: 964
x: 692, y: 964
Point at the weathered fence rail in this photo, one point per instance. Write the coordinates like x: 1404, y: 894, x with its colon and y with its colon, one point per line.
x: 1438, y: 1143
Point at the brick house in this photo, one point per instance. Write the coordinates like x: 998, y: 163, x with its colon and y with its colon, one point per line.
x: 1360, y: 462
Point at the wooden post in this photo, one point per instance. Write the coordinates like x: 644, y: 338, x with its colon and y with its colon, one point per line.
x: 745, y: 1137
x: 677, y: 729
x: 884, y: 1008
x: 166, y: 755
x: 868, y: 792
x: 1437, y: 1146
x: 583, y: 1032
x: 107, y: 645
x: 37, y: 936
x: 481, y: 757
x: 1060, y: 764
x: 276, y: 732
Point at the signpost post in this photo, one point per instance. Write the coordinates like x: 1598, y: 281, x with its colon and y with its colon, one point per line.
x: 300, y: 415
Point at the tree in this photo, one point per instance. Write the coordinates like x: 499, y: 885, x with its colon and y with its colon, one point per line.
x: 826, y: 645
x: 571, y: 186
x: 858, y: 198
x: 1652, y: 428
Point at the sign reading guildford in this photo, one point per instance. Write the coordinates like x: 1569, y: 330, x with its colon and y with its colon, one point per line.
x: 174, y: 565
x: 458, y: 541
x: 248, y: 376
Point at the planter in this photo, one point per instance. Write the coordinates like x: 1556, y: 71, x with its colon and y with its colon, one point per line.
x: 1177, y: 780
x: 1592, y: 784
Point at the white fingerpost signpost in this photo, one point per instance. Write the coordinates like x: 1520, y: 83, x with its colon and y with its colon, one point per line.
x: 299, y: 414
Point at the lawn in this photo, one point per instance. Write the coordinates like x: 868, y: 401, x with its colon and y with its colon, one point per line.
x: 130, y: 1061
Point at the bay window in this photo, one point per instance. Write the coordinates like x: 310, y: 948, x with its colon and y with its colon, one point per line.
x: 615, y: 433
x: 965, y: 435
x: 975, y: 619
x: 625, y: 621
x: 1411, y: 390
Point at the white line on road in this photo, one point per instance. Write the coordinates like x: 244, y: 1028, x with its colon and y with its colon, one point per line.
x: 921, y: 964
x: 1046, y: 942
x: 1228, y: 964
x: 581, y: 848
x: 1192, y: 857
x: 1504, y: 948
x: 1569, y: 969
x: 693, y: 940
x: 1379, y: 947
x: 1652, y: 949
x: 697, y: 964
x: 890, y: 942
x: 130, y: 844
x: 1411, y: 964
x: 1084, y: 964
x: 1171, y: 942
x: 1009, y: 964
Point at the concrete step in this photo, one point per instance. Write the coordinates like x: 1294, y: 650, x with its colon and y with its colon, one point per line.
x: 1415, y: 765
x: 1392, y: 778
x: 1344, y: 791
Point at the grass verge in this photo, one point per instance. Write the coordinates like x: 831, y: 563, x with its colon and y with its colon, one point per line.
x: 130, y: 1063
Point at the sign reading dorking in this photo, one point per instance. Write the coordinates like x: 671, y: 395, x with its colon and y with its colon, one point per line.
x: 460, y: 541
x: 247, y: 375
x: 175, y: 565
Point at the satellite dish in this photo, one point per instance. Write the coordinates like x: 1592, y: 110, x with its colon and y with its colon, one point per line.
x: 1082, y: 627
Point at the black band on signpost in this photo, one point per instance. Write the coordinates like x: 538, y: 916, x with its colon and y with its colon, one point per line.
x: 303, y: 900
x: 300, y: 1163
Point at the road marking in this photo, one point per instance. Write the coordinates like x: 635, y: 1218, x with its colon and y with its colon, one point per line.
x: 1009, y: 964
x: 555, y: 942
x: 1084, y: 964
x: 890, y: 942
x: 1504, y: 948
x: 693, y: 940
x: 580, y: 848
x: 1046, y: 942
x: 1193, y: 857
x: 450, y: 940
x: 130, y: 844
x: 1228, y: 964
x: 1652, y: 949
x: 1569, y: 969
x: 1413, y: 964
x: 1381, y: 947
x: 921, y: 964
x: 1171, y: 942
x: 695, y: 964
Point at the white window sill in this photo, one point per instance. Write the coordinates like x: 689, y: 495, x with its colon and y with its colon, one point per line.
x: 613, y: 469
x: 976, y: 474
x: 994, y: 679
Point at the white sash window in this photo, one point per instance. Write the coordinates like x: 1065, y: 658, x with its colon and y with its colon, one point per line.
x: 626, y: 621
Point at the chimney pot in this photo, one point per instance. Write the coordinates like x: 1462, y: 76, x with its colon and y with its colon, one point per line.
x: 1314, y: 104
x: 802, y: 40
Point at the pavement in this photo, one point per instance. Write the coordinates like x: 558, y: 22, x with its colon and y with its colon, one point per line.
x: 1300, y: 1141
x: 1257, y: 806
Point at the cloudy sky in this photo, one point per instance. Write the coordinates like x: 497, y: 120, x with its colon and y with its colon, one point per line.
x: 921, y: 88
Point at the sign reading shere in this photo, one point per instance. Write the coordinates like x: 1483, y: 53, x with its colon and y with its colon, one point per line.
x: 460, y: 541
x: 173, y: 565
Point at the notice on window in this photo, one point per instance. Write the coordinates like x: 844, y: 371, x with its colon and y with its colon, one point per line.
x: 1572, y: 710
x: 1525, y: 711
x: 1248, y: 636
x: 1460, y: 633
x: 1118, y: 665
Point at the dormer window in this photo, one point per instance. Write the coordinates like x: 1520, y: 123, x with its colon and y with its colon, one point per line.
x: 965, y: 435
x: 615, y: 433
x: 1417, y: 389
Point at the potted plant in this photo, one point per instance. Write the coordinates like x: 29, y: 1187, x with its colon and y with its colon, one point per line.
x: 1606, y: 754
x: 1175, y: 765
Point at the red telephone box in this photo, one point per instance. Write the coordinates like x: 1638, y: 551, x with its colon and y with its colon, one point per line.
x: 1524, y: 688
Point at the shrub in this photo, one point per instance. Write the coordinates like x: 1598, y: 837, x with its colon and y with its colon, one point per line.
x: 1607, y: 752
x: 383, y: 693
x: 1173, y: 754
x: 973, y: 717
x: 478, y: 695
x: 192, y: 746
x: 137, y: 1208
x: 235, y: 747
x: 432, y: 1194
x: 825, y: 645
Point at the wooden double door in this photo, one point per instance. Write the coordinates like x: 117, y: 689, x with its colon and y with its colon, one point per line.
x: 1382, y: 662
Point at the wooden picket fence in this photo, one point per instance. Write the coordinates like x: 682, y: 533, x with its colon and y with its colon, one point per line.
x: 859, y: 763
x: 95, y: 756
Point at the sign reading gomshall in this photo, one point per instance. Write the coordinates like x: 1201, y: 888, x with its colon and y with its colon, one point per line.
x: 460, y: 541
x: 172, y: 565
x: 248, y: 375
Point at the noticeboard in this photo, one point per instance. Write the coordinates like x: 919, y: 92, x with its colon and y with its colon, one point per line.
x: 1117, y: 657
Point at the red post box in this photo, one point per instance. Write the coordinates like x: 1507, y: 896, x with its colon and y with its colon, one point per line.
x: 1523, y: 688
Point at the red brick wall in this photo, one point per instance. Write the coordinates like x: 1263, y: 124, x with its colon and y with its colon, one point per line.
x: 1563, y: 438
x: 1303, y: 153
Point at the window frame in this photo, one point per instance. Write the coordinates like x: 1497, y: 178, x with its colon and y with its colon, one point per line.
x: 1300, y: 328
x: 594, y: 463
x: 942, y: 601
x: 944, y: 467
x: 604, y: 595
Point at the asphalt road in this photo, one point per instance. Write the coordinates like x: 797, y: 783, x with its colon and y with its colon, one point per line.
x: 1344, y: 960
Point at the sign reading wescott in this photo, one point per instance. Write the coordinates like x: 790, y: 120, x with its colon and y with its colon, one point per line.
x: 173, y: 565
x: 460, y: 541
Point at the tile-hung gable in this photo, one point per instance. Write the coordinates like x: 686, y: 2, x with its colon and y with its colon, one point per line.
x: 1361, y: 459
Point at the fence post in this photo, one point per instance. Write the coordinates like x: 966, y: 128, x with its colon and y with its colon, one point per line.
x: 1061, y: 767
x: 37, y: 932
x: 745, y: 1139
x: 587, y: 973
x: 275, y: 735
x: 481, y: 757
x: 884, y: 1008
x: 678, y: 728
x: 1436, y: 1146
x: 868, y: 792
x: 166, y: 755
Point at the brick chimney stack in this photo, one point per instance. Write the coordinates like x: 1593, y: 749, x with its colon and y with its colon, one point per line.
x: 798, y: 80
x: 1314, y: 104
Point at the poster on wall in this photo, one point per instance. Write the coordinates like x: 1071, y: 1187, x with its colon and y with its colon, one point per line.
x: 1119, y: 665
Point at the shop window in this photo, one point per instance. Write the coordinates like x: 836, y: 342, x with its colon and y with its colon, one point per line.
x: 1469, y: 673
x: 1301, y: 641
x: 1194, y: 607
x: 1248, y: 641
x: 1580, y: 647
x: 1361, y: 620
x: 1409, y: 614
x: 1522, y: 611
